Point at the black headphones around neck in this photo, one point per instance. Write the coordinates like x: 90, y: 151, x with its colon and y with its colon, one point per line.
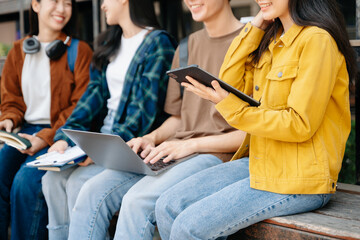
x: 54, y: 50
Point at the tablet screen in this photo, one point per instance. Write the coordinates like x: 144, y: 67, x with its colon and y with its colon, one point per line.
x: 206, y: 78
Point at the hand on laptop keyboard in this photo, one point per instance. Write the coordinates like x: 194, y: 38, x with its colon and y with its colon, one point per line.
x: 159, y: 165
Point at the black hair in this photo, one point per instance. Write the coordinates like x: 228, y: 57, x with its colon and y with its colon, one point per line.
x: 324, y: 14
x: 68, y: 29
x: 108, y: 42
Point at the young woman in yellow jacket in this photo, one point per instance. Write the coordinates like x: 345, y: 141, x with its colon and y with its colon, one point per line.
x: 296, y: 59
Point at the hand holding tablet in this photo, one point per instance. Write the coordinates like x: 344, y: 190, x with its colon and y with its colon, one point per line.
x: 206, y: 78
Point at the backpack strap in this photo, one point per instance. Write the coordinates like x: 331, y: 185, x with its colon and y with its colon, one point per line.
x: 183, y: 57
x: 72, y: 53
x: 183, y: 52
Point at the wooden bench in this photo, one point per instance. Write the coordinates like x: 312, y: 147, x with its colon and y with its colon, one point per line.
x: 339, y: 219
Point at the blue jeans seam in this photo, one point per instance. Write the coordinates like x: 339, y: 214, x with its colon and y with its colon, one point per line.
x: 147, y: 224
x: 101, y: 202
x: 242, y: 220
x: 34, y: 223
x: 324, y: 200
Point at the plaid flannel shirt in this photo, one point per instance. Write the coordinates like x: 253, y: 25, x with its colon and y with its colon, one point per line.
x: 142, y: 100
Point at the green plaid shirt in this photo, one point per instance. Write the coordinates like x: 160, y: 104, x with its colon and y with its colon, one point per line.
x: 142, y: 100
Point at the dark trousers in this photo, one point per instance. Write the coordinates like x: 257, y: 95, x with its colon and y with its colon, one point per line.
x: 20, y: 193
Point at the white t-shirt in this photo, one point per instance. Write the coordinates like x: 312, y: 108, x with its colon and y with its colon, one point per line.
x: 35, y: 85
x: 117, y: 68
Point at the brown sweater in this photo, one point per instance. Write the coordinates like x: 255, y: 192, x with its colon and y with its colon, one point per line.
x: 199, y: 118
x: 66, y: 87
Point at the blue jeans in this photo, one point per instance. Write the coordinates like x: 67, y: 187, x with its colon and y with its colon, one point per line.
x: 21, y: 186
x: 218, y: 201
x: 102, y: 196
x: 61, y: 190
x: 99, y: 199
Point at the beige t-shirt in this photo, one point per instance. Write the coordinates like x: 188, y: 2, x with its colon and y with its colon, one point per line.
x: 199, y: 117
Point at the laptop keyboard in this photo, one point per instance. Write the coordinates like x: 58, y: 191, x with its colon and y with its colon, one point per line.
x: 159, y: 165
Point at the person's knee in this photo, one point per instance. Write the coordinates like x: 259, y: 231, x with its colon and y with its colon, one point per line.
x: 160, y: 208
x: 131, y: 200
x: 75, y: 184
x: 82, y: 177
x: 85, y: 188
x: 171, y: 202
x: 189, y: 224
x: 26, y: 181
x: 167, y: 209
x: 73, y: 180
x: 163, y: 207
x: 89, y: 193
x: 182, y: 228
x: 16, y: 187
x: 49, y: 180
x: 20, y: 180
x: 72, y: 186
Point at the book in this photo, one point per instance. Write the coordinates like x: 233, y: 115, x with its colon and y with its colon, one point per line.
x: 14, y: 140
x: 56, y: 161
x: 63, y: 167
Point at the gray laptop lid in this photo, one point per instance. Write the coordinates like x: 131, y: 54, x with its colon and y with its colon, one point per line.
x: 111, y: 151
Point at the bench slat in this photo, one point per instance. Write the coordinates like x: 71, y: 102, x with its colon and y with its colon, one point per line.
x: 320, y: 224
x: 350, y: 188
x: 339, y: 219
x: 264, y: 230
x: 343, y: 205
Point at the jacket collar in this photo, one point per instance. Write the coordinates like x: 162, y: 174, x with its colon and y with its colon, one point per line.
x: 289, y: 37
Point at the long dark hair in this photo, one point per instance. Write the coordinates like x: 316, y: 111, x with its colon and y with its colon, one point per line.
x: 324, y: 14
x: 69, y: 28
x: 142, y: 14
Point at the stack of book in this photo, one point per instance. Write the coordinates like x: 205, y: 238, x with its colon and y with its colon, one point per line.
x: 55, y: 161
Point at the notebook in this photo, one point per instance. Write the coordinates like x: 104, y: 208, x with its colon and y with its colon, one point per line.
x: 111, y: 151
x: 63, y: 167
x: 55, y: 161
x: 14, y: 140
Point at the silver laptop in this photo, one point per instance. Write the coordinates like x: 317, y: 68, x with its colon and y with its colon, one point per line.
x: 111, y: 151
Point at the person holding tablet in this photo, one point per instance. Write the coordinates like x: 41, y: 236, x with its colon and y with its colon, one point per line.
x: 298, y: 58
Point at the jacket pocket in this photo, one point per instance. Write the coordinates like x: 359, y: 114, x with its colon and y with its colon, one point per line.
x: 310, y: 166
x: 279, y: 84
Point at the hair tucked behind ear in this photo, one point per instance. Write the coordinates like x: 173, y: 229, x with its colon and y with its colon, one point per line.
x: 324, y: 14
x: 109, y: 41
x: 69, y: 28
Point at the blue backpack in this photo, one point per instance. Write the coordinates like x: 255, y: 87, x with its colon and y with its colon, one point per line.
x: 72, y: 53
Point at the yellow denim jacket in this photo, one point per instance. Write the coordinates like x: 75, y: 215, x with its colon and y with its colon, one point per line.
x: 299, y: 132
